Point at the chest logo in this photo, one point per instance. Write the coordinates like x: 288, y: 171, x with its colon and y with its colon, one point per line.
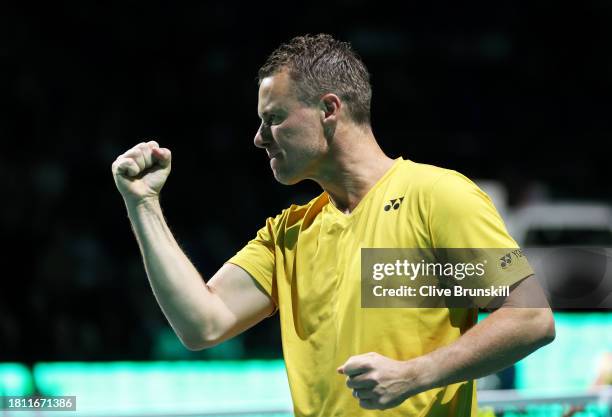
x: 393, y: 204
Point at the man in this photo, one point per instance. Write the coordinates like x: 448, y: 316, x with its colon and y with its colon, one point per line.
x: 314, y: 103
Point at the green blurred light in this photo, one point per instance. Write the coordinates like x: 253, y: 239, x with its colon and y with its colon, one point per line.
x: 185, y: 386
x: 571, y: 361
x: 15, y: 379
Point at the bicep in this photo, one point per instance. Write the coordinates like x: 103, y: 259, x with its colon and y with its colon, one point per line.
x: 241, y: 301
x: 526, y: 293
x: 527, y: 314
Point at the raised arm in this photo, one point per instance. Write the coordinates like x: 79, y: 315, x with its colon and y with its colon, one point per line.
x: 202, y: 314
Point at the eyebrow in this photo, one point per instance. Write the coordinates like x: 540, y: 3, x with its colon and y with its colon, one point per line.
x: 268, y: 113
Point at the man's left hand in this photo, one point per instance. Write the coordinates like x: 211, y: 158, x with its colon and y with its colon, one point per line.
x: 379, y: 382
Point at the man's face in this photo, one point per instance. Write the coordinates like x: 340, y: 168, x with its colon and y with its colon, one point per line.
x: 291, y: 132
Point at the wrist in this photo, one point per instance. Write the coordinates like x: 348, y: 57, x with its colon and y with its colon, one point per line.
x: 149, y: 203
x: 422, y: 373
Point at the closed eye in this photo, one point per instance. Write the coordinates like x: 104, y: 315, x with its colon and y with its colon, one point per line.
x: 271, y: 119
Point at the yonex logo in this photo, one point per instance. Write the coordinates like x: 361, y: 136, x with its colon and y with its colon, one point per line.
x: 395, y: 203
x: 506, y: 260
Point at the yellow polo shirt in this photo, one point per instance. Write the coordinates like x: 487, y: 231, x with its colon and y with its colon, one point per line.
x: 308, y: 260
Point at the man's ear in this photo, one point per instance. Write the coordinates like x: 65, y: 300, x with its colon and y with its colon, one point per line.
x: 330, y: 105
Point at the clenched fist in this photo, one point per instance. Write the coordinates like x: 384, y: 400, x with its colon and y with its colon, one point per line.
x: 141, y: 172
x: 379, y: 382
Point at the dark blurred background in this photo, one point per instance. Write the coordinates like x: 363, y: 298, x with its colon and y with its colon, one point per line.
x: 518, y: 92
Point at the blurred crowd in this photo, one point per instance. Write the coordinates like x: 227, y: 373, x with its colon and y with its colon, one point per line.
x: 501, y: 91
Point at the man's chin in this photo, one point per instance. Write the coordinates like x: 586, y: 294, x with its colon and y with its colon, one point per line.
x: 285, y: 179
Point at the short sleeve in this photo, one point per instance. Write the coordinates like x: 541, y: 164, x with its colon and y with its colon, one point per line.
x: 461, y: 215
x: 257, y: 257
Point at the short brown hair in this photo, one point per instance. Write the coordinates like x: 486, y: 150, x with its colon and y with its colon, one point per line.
x: 320, y: 64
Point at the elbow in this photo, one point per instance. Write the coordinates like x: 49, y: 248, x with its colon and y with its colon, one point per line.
x: 196, y: 346
x: 199, y: 342
x: 200, y: 332
x: 201, y: 338
x: 203, y: 332
x: 546, y: 327
x: 192, y: 344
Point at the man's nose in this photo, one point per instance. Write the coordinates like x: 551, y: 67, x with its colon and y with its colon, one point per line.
x: 263, y: 137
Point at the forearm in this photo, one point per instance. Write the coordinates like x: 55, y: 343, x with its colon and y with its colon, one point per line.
x: 182, y: 294
x: 503, y: 338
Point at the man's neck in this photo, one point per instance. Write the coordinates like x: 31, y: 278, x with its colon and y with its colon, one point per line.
x: 355, y: 165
